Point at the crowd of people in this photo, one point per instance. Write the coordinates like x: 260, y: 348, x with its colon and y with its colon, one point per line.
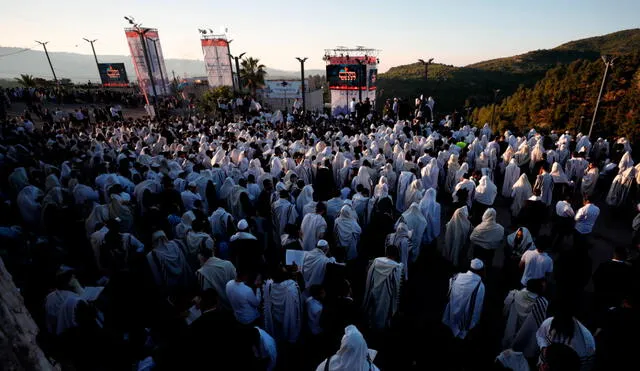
x: 298, y: 245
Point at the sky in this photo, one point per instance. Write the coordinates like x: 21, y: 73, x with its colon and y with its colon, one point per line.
x: 457, y: 32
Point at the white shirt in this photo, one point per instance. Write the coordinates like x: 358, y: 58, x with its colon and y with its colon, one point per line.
x: 352, y: 106
x: 564, y: 209
x: 586, y: 218
x: 536, y: 265
x: 244, y: 301
x: 314, y: 311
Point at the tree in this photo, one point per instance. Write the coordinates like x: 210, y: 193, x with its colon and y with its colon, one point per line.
x: 26, y: 81
x: 252, y: 74
x: 209, y: 100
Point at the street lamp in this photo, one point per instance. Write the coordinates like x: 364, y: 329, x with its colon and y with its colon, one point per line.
x: 495, y: 99
x: 94, y: 53
x: 304, y: 100
x: 608, y: 61
x: 141, y: 32
x: 44, y: 45
x: 237, y: 59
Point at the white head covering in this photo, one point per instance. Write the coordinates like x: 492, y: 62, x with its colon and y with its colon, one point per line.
x: 476, y: 264
x: 486, y: 191
x: 525, y: 244
x: 520, y: 193
x: 488, y: 234
x: 431, y: 212
x: 353, y: 354
x: 558, y: 174
x: 456, y: 235
x: 511, y: 174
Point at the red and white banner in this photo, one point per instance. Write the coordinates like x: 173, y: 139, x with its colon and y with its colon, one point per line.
x: 156, y: 61
x: 217, y: 62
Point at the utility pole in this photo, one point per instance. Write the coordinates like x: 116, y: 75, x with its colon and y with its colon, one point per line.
x: 359, y: 82
x: 94, y: 54
x: 304, y: 92
x: 426, y: 72
x: 46, y: 52
x: 608, y: 61
x: 493, y: 112
x: 237, y: 59
x: 155, y: 47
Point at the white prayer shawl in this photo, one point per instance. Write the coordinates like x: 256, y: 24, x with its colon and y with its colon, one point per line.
x: 416, y: 223
x: 430, y: 174
x: 511, y: 174
x: 235, y: 206
x: 151, y: 185
x: 313, y: 228
x: 544, y: 182
x: 464, y: 168
x: 18, y: 179
x: 620, y: 187
x: 456, y: 235
x: 276, y: 167
x: 522, y: 156
x: 214, y: 274
x: 333, y: 207
x: 508, y: 154
x: 314, y: 267
x: 525, y: 244
x: 582, y: 341
x: 309, y: 208
x: 405, y: 179
x: 488, y: 234
x: 363, y: 178
x: 304, y: 198
x: 347, y: 232
x: 83, y: 193
x: 590, y: 180
x: 119, y: 208
x: 512, y: 360
x: 469, y: 186
x: 517, y: 307
x: 353, y: 354
x: 414, y: 193
x: 452, y: 171
x: 466, y: 296
x: 283, y: 310
x: 168, y: 264
x: 185, y: 225
x: 29, y: 206
x: 558, y: 174
x: 625, y: 162
x: 536, y: 154
x: 60, y: 307
x: 363, y: 206
x: 382, y: 293
x: 486, y: 191
x: 392, y: 177
x: 520, y: 193
x: 227, y: 188
x: 431, y: 212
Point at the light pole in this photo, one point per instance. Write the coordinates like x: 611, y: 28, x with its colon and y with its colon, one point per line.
x: 493, y: 112
x: 284, y: 85
x: 141, y: 32
x: 237, y: 59
x: 94, y: 53
x: 426, y: 72
x: 608, y: 61
x: 46, y: 52
x: 304, y: 93
x: 155, y: 48
x: 359, y: 82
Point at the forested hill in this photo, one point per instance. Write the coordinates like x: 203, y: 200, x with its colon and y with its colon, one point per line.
x: 473, y: 85
x: 565, y: 99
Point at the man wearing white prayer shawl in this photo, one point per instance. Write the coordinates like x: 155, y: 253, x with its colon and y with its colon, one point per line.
x: 486, y: 191
x: 487, y: 237
x: 452, y: 170
x: 401, y: 239
x: 304, y: 198
x: 314, y: 265
x: 363, y: 178
x: 347, y: 232
x: 353, y: 354
x: 456, y: 236
x: 414, y: 193
x: 190, y: 196
x: 431, y: 212
x: 283, y: 213
x: 430, y: 174
x: 382, y: 292
x: 525, y: 311
x: 168, y: 265
x: 28, y: 200
x: 334, y: 205
x: 313, y: 227
x: 520, y: 193
x: 416, y: 222
x: 404, y: 180
x: 579, y: 338
x: 467, y: 184
x: 511, y: 175
x: 509, y: 359
x: 214, y: 273
x: 620, y: 187
x: 590, y: 180
x: 390, y: 174
x: 466, y: 297
x: 282, y: 309
x: 544, y: 182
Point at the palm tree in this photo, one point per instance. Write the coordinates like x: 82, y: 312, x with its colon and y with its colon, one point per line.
x: 26, y: 81
x: 252, y: 74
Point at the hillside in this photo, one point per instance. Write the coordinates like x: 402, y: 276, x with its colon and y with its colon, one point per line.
x: 565, y: 99
x: 82, y: 67
x: 473, y: 85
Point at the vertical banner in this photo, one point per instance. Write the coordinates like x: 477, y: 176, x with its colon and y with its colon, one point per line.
x: 156, y: 61
x: 217, y: 62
